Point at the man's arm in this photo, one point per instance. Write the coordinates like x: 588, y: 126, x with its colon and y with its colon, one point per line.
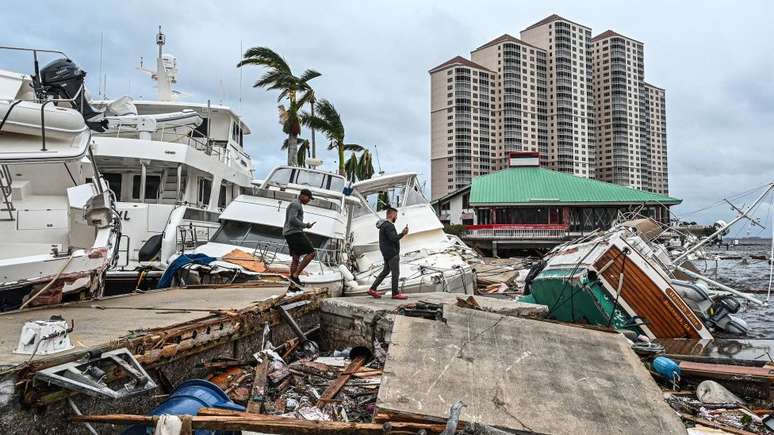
x: 391, y: 233
x: 295, y: 222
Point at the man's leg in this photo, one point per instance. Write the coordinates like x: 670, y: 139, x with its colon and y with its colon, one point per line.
x: 293, y: 265
x: 379, y: 278
x: 305, y: 262
x: 394, y: 264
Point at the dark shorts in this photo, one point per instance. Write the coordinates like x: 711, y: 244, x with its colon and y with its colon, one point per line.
x: 299, y: 244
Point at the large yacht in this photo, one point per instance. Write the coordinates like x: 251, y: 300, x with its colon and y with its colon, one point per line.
x: 430, y: 259
x: 252, y: 224
x: 58, y: 226
x: 172, y: 165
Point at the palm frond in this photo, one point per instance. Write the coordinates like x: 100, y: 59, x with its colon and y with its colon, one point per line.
x: 264, y: 56
x: 314, y: 122
x: 308, y: 75
x: 353, y: 147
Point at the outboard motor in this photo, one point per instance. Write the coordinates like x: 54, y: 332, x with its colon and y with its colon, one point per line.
x: 722, y: 309
x: 62, y: 78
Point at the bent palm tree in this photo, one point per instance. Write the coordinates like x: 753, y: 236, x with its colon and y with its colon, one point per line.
x: 295, y: 90
x: 328, y: 122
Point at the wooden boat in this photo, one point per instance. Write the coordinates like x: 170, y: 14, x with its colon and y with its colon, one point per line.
x: 615, y: 280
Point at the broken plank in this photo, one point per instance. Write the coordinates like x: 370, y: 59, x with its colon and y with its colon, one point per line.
x: 229, y: 420
x: 714, y: 425
x: 258, y: 392
x: 334, y: 388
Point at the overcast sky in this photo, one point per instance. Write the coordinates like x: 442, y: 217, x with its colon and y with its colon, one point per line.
x: 715, y: 60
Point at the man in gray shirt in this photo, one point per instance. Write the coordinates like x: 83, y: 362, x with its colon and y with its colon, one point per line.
x: 298, y: 243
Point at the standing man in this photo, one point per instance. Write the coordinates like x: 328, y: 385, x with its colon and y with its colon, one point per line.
x: 298, y: 242
x: 389, y: 244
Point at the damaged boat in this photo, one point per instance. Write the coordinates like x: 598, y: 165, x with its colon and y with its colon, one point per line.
x: 430, y: 259
x: 249, y: 240
x: 58, y: 223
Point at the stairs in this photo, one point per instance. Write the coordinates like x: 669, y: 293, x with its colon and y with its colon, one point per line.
x: 169, y: 187
x: 7, y: 192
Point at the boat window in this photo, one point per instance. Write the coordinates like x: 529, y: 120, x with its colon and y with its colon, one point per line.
x: 152, y: 184
x: 205, y: 189
x: 231, y: 232
x: 312, y: 179
x: 258, y: 236
x: 413, y: 195
x: 114, y: 183
x: 336, y: 184
x: 201, y: 130
x: 222, y: 196
x: 281, y: 176
x: 195, y: 214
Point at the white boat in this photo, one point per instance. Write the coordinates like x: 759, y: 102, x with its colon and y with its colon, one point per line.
x: 253, y: 224
x: 173, y: 167
x: 58, y: 229
x: 431, y: 260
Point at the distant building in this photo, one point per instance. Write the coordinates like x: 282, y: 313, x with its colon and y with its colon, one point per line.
x: 527, y: 206
x: 550, y: 91
x: 459, y: 124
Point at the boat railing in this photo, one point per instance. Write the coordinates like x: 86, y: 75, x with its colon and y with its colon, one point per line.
x: 269, y: 253
x: 190, y: 236
x: 197, y: 143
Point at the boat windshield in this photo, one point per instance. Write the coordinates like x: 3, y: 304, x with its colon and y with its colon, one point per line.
x: 259, y: 236
x: 305, y: 177
x: 398, y: 195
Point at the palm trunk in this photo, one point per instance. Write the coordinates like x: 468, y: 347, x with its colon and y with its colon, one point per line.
x: 342, y: 170
x: 292, y: 150
x: 314, y: 147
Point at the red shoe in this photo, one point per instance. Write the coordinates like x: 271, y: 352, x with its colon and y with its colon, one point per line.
x: 400, y: 295
x: 375, y: 294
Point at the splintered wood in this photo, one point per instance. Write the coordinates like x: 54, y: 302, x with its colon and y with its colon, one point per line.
x: 258, y: 392
x: 334, y: 388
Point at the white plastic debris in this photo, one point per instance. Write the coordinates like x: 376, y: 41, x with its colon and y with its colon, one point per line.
x: 712, y: 392
x: 168, y: 425
x: 44, y: 337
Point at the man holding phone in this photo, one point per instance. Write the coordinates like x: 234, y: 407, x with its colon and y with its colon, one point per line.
x: 298, y: 242
x: 389, y: 245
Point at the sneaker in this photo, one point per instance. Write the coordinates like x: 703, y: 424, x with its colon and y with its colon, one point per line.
x: 295, y: 281
x: 375, y: 294
x: 400, y: 295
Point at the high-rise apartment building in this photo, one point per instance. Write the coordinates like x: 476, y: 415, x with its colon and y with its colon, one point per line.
x: 621, y: 106
x: 519, y: 120
x: 460, y: 95
x: 581, y: 102
x: 570, y: 97
x: 656, y: 114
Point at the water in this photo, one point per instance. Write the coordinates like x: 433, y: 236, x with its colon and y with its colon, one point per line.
x: 746, y: 275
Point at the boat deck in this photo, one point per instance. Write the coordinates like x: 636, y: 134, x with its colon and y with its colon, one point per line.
x: 103, y: 321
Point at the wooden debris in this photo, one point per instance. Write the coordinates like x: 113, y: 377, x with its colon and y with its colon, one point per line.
x: 714, y: 425
x: 470, y: 302
x: 334, y: 388
x: 258, y: 392
x: 216, y: 419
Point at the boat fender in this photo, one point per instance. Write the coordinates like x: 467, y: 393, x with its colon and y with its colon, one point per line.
x: 150, y: 249
x: 667, y: 368
x: 346, y: 273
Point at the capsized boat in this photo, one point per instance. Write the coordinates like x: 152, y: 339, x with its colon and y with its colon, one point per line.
x: 250, y: 232
x: 430, y: 259
x: 58, y: 227
x: 618, y: 280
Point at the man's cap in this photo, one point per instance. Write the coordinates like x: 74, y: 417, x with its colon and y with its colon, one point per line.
x: 307, y: 192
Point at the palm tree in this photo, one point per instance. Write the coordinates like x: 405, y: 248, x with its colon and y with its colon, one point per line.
x: 328, y: 121
x: 303, y: 150
x: 294, y: 89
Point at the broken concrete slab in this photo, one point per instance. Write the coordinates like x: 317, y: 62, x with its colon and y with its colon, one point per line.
x: 357, y: 320
x: 521, y: 374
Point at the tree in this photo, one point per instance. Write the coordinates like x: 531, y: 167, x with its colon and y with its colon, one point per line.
x: 303, y: 150
x: 294, y: 89
x: 328, y: 122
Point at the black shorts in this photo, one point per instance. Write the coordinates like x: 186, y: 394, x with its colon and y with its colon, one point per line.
x: 299, y: 244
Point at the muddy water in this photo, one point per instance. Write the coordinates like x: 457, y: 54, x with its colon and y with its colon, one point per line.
x: 746, y: 274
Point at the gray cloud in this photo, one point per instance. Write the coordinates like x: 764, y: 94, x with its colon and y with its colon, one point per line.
x: 713, y: 60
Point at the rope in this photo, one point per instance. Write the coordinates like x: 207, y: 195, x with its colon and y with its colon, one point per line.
x: 771, y: 254
x: 41, y: 291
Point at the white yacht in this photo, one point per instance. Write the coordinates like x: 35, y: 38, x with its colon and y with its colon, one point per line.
x: 58, y: 228
x: 173, y: 166
x: 253, y: 224
x: 431, y: 260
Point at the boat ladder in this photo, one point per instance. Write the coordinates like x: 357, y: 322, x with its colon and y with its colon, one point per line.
x: 7, y: 191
